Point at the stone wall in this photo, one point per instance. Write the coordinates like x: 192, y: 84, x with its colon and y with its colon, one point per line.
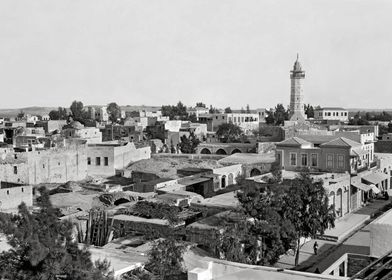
x: 11, y: 198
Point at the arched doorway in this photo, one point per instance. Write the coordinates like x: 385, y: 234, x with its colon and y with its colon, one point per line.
x: 205, y: 151
x: 339, y: 203
x: 255, y: 172
x: 235, y: 151
x: 221, y: 152
x: 223, y: 182
x: 121, y: 201
x: 331, y: 200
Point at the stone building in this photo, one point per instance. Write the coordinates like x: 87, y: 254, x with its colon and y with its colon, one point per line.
x: 247, y: 121
x: 104, y: 159
x: 75, y: 130
x: 297, y: 76
x: 55, y: 165
x: 331, y: 113
x: 12, y: 195
x: 322, y: 154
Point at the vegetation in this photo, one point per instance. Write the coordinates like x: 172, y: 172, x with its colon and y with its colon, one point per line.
x: 201, y: 104
x: 59, y: 114
x: 277, y: 116
x: 275, y: 217
x: 43, y: 247
x: 228, y: 110
x: 77, y: 110
x: 189, y: 144
x: 165, y: 261
x: 213, y: 110
x: 229, y: 132
x: 175, y: 112
x: 114, y: 112
x: 148, y: 209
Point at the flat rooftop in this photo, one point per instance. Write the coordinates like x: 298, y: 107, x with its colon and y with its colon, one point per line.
x: 226, y: 200
x: 121, y: 262
x: 132, y: 218
x: 247, y: 158
x: 166, y: 167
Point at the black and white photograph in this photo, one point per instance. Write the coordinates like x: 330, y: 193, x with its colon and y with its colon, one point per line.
x: 195, y: 140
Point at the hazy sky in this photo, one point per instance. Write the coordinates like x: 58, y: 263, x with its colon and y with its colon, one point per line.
x: 220, y: 52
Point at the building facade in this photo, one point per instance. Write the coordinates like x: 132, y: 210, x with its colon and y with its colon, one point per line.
x: 331, y: 113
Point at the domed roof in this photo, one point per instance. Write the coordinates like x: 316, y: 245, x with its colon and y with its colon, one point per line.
x: 76, y: 125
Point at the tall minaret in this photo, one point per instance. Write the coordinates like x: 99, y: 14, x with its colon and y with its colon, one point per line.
x: 296, y: 97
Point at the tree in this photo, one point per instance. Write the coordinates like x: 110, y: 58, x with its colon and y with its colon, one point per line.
x: 306, y: 207
x: 189, y: 144
x: 54, y: 115
x: 21, y: 115
x: 43, y: 247
x: 263, y: 207
x: 228, y: 110
x: 114, y: 112
x: 175, y: 112
x: 229, y: 132
x: 77, y: 110
x: 280, y: 114
x: 165, y: 259
x: 270, y: 119
x: 309, y: 111
x: 59, y: 114
x: 213, y: 110
x: 200, y: 104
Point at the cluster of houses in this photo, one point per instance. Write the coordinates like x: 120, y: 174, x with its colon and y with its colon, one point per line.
x: 133, y: 160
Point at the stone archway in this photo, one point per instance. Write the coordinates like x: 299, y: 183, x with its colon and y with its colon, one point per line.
x: 205, y: 151
x: 221, y: 152
x: 331, y: 199
x: 223, y: 182
x: 255, y: 172
x: 236, y: 151
x: 339, y: 203
x: 121, y: 201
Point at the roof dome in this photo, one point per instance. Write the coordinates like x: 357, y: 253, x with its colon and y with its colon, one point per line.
x: 76, y: 125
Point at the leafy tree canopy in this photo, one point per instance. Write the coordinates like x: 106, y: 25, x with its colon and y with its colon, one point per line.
x: 43, y: 247
x: 77, y: 110
x: 229, y: 132
x: 114, y: 111
x: 228, y: 110
x: 189, y: 144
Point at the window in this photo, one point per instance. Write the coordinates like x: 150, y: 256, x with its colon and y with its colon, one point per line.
x: 22, y: 189
x: 329, y: 160
x: 15, y: 170
x: 345, y: 114
x: 314, y: 162
x: 293, y: 159
x: 106, y: 161
x: 97, y: 161
x: 8, y: 192
x: 43, y: 165
x: 304, y: 159
x: 88, y: 161
x: 340, y: 161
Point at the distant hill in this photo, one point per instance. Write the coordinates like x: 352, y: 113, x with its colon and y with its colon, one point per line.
x: 36, y: 110
x: 28, y: 110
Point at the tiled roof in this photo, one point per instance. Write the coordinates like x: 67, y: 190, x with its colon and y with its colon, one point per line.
x: 293, y: 141
x: 341, y: 142
x: 332, y: 108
